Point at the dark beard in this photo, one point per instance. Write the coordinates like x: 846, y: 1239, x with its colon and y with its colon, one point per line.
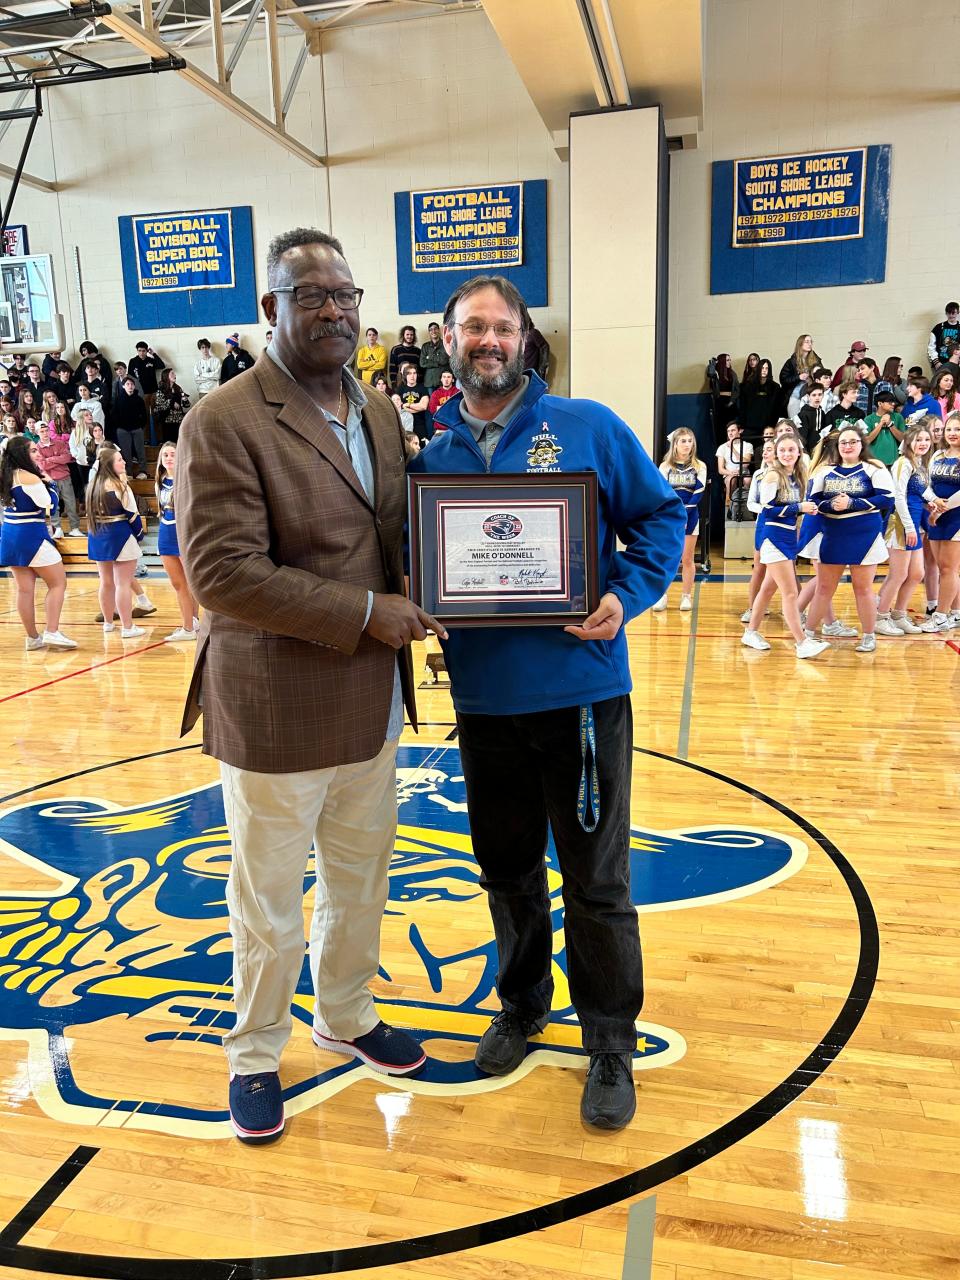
x: 485, y: 386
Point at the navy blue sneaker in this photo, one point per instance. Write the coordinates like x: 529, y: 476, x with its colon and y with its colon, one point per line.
x: 384, y: 1049
x: 256, y: 1107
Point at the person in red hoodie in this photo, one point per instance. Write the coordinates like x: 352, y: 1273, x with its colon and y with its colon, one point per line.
x: 847, y: 372
x: 55, y: 458
x: 446, y: 391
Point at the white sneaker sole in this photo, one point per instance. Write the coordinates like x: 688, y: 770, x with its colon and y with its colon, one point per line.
x: 256, y: 1135
x: 351, y: 1050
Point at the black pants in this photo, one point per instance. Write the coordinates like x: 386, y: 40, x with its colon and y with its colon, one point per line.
x: 521, y: 773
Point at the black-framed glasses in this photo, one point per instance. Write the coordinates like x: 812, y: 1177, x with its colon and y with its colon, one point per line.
x: 313, y: 296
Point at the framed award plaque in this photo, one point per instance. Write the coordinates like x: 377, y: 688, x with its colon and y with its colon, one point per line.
x: 504, y: 550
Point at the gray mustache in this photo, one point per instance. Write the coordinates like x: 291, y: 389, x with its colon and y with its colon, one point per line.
x: 328, y: 329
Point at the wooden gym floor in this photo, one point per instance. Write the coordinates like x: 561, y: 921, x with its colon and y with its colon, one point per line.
x: 795, y: 865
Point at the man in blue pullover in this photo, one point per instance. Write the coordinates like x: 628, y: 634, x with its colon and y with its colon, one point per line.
x: 541, y: 708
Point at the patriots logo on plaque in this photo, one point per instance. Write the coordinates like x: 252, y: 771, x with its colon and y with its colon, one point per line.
x: 503, y: 527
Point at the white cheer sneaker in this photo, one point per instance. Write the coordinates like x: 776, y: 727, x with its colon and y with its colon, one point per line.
x: 808, y: 648
x: 754, y: 640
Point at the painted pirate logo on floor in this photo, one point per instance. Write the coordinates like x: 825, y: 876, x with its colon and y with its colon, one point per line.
x: 133, y: 938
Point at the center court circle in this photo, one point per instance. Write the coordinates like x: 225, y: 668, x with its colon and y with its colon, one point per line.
x: 432, y: 873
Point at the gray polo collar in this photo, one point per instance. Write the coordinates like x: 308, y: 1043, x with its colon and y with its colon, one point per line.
x: 478, y: 425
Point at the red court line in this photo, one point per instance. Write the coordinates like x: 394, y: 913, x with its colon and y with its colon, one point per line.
x: 160, y: 644
x: 952, y: 644
x: 15, y: 622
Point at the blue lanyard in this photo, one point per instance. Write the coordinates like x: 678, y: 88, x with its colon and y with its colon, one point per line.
x: 588, y: 753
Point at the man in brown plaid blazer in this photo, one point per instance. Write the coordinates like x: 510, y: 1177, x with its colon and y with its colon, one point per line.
x: 290, y: 507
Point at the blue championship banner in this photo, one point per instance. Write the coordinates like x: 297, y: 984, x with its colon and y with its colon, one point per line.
x: 460, y: 228
x: 180, y: 251
x: 799, y: 199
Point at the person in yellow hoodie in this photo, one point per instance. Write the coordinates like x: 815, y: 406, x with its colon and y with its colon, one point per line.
x: 371, y: 357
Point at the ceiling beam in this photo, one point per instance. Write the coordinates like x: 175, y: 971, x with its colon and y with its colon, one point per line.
x: 273, y: 63
x: 28, y: 180
x: 151, y: 44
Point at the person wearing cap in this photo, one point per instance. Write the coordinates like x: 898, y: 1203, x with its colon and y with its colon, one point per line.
x: 848, y: 370
x: 947, y: 330
x: 884, y: 428
x: 206, y: 372
x: 236, y: 361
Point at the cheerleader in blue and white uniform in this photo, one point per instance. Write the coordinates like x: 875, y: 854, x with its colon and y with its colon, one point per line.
x: 169, y: 548
x: 944, y: 526
x: 905, y: 532
x: 826, y: 454
x: 26, y: 547
x: 114, y: 534
x: 684, y: 471
x: 754, y: 505
x: 782, y: 503
x: 855, y: 499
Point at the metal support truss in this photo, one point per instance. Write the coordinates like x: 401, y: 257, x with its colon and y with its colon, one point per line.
x: 24, y: 75
x: 150, y: 42
x: 32, y: 53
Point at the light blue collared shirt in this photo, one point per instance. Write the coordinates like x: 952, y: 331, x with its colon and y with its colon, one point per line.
x: 354, y: 440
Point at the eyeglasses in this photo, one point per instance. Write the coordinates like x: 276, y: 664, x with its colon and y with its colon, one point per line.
x: 477, y: 329
x: 313, y: 296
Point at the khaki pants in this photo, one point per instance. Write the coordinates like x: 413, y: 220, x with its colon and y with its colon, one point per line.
x: 349, y: 813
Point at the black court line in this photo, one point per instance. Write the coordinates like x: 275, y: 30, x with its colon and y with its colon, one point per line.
x: 38, y: 1204
x: 392, y: 1253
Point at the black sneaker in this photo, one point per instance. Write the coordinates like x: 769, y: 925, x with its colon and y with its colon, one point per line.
x: 256, y: 1107
x: 609, y: 1095
x: 503, y: 1045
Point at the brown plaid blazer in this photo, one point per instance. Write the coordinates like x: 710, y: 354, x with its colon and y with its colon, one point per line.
x: 280, y: 545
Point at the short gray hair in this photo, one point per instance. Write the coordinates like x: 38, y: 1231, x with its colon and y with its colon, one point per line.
x: 295, y: 239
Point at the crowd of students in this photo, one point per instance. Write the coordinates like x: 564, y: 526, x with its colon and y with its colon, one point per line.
x: 123, y: 400
x: 854, y: 391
